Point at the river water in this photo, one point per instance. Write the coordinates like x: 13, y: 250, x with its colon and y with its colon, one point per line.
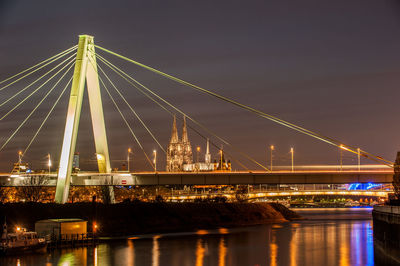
x: 327, y: 237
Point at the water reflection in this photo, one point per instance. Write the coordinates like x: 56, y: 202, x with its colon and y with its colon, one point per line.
x: 95, y: 256
x: 222, y: 252
x: 199, y: 252
x: 328, y: 238
x: 273, y: 249
x: 156, y: 251
x: 293, y: 246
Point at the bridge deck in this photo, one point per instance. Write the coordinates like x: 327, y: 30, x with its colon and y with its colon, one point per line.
x: 212, y: 178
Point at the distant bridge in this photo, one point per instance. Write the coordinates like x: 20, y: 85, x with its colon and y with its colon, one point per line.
x: 289, y: 193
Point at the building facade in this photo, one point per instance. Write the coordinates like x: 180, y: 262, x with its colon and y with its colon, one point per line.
x: 180, y: 154
x: 179, y: 151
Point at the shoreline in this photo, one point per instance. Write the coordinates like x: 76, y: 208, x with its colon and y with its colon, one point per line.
x: 140, y: 218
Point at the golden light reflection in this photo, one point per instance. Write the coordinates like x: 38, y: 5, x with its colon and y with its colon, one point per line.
x: 277, y: 226
x: 344, y: 247
x: 156, y: 251
x: 273, y: 247
x: 199, y: 252
x: 95, y: 256
x: 202, y: 232
x: 131, y: 253
x: 293, y: 246
x: 223, y: 231
x: 222, y: 252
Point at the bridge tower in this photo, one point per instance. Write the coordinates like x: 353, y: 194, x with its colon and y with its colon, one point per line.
x: 85, y: 70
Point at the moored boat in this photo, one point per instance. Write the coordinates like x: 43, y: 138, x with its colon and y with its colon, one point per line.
x: 21, y: 242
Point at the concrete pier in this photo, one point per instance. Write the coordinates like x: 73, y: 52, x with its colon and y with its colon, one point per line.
x: 386, y: 225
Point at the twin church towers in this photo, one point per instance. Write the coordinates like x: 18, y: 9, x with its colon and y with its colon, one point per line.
x: 180, y: 154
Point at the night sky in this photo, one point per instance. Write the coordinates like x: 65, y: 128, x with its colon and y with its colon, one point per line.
x: 330, y: 66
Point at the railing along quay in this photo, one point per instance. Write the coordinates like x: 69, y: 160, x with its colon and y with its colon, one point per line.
x: 72, y: 240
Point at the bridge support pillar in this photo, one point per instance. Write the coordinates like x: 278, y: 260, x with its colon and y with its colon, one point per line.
x: 85, y: 70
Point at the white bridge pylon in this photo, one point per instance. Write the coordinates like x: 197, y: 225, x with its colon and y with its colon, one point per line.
x: 85, y: 70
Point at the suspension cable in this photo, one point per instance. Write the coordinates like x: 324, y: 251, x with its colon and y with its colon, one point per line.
x: 36, y: 90
x: 126, y: 122
x: 34, y: 109
x: 133, y: 111
x: 47, y: 116
x: 323, y: 138
x: 178, y: 110
x: 49, y: 61
x: 172, y: 114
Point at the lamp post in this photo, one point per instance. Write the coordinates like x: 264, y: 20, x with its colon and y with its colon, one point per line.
x: 19, y: 161
x: 358, y: 155
x: 129, y: 152
x: 272, y: 148
x: 292, y: 153
x: 220, y: 152
x: 341, y: 147
x: 155, y: 160
x: 49, y: 162
x: 197, y: 155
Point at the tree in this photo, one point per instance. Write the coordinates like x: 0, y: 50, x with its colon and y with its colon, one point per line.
x: 396, y: 177
x: 241, y: 194
x: 32, y: 188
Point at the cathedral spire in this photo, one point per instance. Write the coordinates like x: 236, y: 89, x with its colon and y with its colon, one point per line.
x: 187, y: 148
x: 185, y: 137
x: 207, y: 158
x: 174, y: 133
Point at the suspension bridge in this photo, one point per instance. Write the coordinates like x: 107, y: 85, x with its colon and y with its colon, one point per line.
x: 90, y: 65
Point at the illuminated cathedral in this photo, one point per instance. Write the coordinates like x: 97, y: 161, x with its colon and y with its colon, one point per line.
x: 179, y: 151
x: 180, y: 155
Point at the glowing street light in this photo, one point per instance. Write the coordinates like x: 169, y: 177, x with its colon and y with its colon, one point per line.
x: 49, y: 162
x: 341, y: 148
x: 95, y: 227
x: 272, y: 148
x: 292, y: 152
x: 129, y: 152
x: 19, y: 161
x: 155, y: 160
x: 220, y: 152
x: 198, y: 151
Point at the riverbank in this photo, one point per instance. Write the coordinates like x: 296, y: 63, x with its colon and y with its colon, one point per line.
x: 325, y: 238
x: 144, y: 217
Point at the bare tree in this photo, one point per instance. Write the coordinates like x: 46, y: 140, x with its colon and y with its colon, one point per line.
x: 241, y: 194
x: 3, y: 193
x: 396, y: 177
x: 32, y: 188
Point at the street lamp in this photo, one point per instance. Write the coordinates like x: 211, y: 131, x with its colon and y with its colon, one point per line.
x: 155, y: 160
x: 341, y: 148
x: 198, y: 151
x: 129, y: 152
x: 49, y: 162
x: 292, y: 152
x: 19, y: 161
x: 271, y: 148
x: 220, y: 152
x: 358, y: 155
